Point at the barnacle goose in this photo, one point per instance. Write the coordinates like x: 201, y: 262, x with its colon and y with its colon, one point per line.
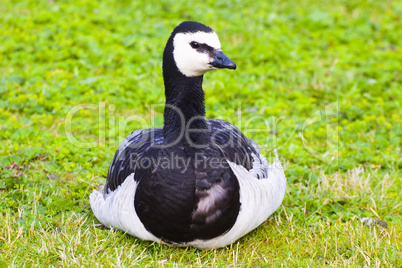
x: 195, y: 181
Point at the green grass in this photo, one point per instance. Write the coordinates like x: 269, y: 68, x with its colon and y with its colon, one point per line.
x: 294, y: 58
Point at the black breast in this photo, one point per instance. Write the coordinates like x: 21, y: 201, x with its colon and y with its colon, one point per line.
x: 198, y: 198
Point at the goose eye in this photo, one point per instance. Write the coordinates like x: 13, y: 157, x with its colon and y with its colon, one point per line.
x: 194, y: 44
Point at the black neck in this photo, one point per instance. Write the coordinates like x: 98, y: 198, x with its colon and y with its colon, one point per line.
x: 184, y: 109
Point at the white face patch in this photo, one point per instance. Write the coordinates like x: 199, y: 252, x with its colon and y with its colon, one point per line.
x: 189, y: 61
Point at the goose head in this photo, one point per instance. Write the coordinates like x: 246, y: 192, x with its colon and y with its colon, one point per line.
x: 194, y: 49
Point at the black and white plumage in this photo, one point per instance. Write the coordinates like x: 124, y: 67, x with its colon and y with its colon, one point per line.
x: 194, y: 182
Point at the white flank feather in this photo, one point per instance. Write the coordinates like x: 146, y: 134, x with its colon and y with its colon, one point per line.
x: 116, y: 210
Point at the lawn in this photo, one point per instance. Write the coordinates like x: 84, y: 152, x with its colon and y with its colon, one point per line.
x: 319, y: 80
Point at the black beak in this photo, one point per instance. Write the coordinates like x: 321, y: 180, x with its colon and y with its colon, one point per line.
x: 221, y: 61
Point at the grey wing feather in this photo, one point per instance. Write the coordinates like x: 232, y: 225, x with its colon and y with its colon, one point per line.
x: 129, y: 150
x: 233, y: 143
